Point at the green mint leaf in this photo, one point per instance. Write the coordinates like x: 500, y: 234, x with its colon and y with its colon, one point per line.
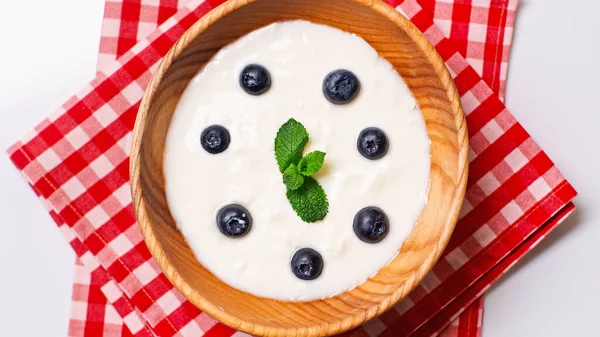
x: 311, y: 163
x: 289, y: 143
x: 292, y: 178
x: 309, y: 201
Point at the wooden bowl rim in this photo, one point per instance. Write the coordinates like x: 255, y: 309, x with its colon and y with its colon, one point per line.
x: 140, y: 206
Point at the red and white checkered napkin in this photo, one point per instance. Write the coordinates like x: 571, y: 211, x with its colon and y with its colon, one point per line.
x: 76, y: 161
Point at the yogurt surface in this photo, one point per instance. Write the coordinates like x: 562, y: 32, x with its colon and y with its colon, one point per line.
x: 298, y: 55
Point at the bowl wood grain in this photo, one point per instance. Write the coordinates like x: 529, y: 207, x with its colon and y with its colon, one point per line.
x: 412, y: 56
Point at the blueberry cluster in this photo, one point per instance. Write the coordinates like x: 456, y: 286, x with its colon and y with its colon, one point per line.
x: 370, y: 224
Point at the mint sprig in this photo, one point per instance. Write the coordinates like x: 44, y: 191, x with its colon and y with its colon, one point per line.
x: 304, y: 193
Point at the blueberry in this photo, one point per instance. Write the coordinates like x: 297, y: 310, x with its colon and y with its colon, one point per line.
x: 371, y: 225
x: 340, y: 86
x: 215, y: 139
x: 234, y: 221
x: 307, y: 264
x: 255, y: 79
x: 372, y: 143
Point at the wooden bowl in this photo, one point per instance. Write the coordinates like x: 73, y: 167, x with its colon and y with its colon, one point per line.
x: 413, y: 57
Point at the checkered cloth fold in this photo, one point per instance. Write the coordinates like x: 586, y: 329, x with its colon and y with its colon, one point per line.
x: 77, y: 163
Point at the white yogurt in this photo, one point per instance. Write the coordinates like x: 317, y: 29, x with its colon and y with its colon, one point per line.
x: 298, y: 54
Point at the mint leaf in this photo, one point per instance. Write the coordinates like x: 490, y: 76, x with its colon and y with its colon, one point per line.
x: 311, y: 163
x: 289, y: 143
x: 292, y: 178
x: 304, y: 193
x: 309, y: 201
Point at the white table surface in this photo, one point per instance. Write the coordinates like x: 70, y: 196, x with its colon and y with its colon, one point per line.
x: 48, y: 50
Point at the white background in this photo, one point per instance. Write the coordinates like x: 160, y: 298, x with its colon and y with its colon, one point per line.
x: 48, y: 51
